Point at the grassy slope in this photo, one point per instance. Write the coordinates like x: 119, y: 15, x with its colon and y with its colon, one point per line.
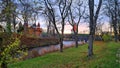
x: 105, y: 57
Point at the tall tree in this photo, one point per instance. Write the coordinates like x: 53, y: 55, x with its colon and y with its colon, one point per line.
x: 75, y: 15
x: 7, y: 11
x: 92, y: 24
x: 113, y: 13
x: 50, y: 27
x: 63, y: 6
x: 119, y: 19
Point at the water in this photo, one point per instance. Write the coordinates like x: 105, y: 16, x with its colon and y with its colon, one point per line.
x: 43, y: 50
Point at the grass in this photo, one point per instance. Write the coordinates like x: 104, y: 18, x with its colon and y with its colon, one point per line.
x: 104, y: 57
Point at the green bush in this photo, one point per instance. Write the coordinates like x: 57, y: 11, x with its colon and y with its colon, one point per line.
x: 10, y: 50
x: 106, y: 37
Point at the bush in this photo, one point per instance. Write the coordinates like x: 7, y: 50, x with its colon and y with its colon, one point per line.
x: 31, y: 42
x: 27, y: 42
x: 10, y: 50
x: 106, y: 37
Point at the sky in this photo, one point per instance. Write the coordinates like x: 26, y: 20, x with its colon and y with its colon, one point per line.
x: 83, y: 27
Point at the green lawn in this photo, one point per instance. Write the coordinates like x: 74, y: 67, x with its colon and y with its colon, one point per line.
x: 104, y: 57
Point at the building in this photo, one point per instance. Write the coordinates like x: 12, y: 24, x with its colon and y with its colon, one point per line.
x: 33, y: 30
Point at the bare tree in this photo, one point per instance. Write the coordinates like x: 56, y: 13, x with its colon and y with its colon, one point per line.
x: 50, y: 28
x: 51, y: 16
x: 63, y: 6
x: 118, y: 18
x: 113, y: 13
x: 74, y: 18
x: 92, y: 24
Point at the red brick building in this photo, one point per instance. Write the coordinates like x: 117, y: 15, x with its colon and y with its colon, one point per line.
x: 33, y: 30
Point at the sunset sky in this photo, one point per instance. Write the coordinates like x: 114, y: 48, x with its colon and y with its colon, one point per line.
x: 83, y: 27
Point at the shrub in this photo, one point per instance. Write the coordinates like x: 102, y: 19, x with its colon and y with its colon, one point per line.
x: 27, y: 42
x: 106, y: 37
x: 30, y: 42
x: 10, y: 50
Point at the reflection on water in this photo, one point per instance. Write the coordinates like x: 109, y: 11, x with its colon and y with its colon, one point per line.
x: 68, y: 42
x: 43, y: 50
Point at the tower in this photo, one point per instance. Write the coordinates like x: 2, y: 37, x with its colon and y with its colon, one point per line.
x: 38, y: 30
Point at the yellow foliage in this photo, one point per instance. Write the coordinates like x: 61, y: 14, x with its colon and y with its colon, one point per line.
x: 10, y: 52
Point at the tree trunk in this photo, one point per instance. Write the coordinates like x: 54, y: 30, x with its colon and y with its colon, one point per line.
x: 92, y: 28
x: 1, y: 40
x: 62, y: 36
x: 3, y: 65
x: 119, y: 33
x: 93, y: 20
x: 115, y: 34
x: 53, y: 32
x: 14, y: 22
x: 76, y: 39
x: 61, y: 44
x: 90, y: 45
x: 115, y: 20
x: 115, y: 30
x: 48, y: 28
